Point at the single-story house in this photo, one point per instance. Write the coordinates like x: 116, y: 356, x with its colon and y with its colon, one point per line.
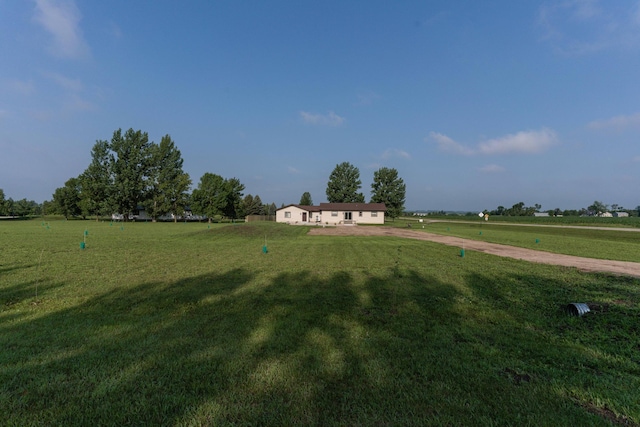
x: 541, y: 214
x: 621, y: 214
x: 333, y: 214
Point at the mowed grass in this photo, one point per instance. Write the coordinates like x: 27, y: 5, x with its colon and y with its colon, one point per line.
x: 612, y: 244
x: 182, y: 324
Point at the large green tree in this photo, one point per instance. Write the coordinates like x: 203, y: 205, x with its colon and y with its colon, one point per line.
x: 390, y: 189
x: 2, y: 201
x: 67, y: 199
x: 96, y: 181
x: 597, y: 208
x: 208, y: 198
x: 218, y: 196
x: 168, y: 183
x: 130, y: 163
x: 305, y: 199
x: 233, y: 189
x: 344, y: 183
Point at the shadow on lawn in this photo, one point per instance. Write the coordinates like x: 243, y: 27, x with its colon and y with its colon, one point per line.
x: 226, y: 348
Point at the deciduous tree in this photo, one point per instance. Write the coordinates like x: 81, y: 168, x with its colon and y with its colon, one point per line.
x: 67, y: 199
x: 168, y: 183
x: 390, y: 189
x: 130, y: 164
x: 344, y: 183
x: 96, y: 181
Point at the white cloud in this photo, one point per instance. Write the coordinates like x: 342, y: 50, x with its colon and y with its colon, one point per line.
x: 394, y: 152
x: 521, y: 142
x: 618, y: 123
x: 62, y: 20
x: 492, y: 169
x: 329, y: 119
x: 293, y: 170
x: 527, y: 142
x: 447, y: 144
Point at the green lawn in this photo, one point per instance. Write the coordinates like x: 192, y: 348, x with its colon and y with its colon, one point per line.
x: 604, y: 244
x: 182, y: 324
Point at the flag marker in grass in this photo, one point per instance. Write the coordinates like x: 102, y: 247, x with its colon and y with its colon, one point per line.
x: 537, y: 241
x: 83, y: 244
x: 264, y: 247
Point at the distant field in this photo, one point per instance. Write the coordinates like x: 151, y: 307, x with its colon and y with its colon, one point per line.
x: 610, y: 244
x: 191, y: 324
x: 632, y: 222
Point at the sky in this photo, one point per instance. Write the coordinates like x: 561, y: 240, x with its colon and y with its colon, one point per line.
x: 477, y: 104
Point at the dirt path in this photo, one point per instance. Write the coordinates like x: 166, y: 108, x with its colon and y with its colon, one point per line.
x: 583, y: 264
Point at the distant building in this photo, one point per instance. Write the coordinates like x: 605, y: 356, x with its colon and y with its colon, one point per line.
x: 542, y: 214
x: 333, y: 214
x: 605, y: 215
x: 620, y: 214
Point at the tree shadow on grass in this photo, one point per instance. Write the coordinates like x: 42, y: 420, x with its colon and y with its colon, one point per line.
x: 399, y: 347
x: 588, y: 363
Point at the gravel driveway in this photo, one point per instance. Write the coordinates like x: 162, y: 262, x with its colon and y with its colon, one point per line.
x: 583, y: 264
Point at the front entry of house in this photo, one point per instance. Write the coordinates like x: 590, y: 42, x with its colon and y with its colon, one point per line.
x: 304, y: 217
x: 347, y: 217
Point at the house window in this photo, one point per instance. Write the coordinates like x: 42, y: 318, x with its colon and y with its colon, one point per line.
x: 334, y: 213
x: 287, y: 214
x: 360, y: 214
x: 375, y: 214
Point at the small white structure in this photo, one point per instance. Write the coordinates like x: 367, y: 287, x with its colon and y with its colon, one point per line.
x: 605, y: 215
x: 333, y: 214
x: 621, y: 214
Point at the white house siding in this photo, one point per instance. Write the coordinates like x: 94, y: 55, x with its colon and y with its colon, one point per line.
x: 292, y: 214
x: 333, y: 214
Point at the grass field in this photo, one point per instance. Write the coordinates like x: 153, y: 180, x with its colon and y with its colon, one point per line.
x: 613, y: 244
x: 190, y: 324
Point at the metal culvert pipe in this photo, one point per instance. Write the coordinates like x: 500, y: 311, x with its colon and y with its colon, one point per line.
x: 577, y: 308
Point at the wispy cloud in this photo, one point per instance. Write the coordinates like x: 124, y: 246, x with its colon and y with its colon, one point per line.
x: 447, y: 144
x: 73, y: 85
x: 394, y: 152
x: 526, y: 142
x: 617, y: 123
x: 293, y: 170
x: 578, y: 27
x: 21, y: 87
x: 521, y: 142
x: 492, y: 169
x: 329, y: 119
x: 367, y: 98
x: 62, y: 20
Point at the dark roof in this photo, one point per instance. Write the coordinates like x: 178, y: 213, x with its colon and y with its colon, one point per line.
x: 353, y: 207
x: 378, y: 207
x: 303, y: 207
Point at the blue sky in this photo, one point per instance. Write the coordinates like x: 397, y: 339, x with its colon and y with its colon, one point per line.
x: 476, y: 103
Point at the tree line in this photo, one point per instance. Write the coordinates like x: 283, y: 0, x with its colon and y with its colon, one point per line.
x: 129, y: 172
x: 597, y: 208
x: 24, y: 207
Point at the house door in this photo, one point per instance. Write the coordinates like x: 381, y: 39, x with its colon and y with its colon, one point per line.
x: 347, y: 216
x: 304, y: 217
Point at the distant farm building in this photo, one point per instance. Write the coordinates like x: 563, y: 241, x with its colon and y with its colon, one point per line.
x: 621, y: 214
